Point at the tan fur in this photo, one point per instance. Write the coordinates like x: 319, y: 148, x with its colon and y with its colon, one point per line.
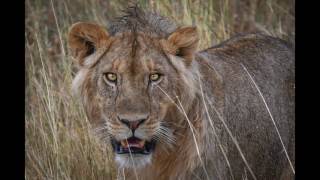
x: 81, y: 33
x: 189, y: 149
x: 183, y: 40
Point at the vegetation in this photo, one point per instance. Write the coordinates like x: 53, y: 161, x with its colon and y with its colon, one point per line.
x: 58, y: 141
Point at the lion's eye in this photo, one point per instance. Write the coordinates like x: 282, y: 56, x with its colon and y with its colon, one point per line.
x: 155, y: 77
x: 110, y: 77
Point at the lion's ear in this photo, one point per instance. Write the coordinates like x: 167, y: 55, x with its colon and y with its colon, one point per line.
x: 183, y: 42
x: 85, y: 39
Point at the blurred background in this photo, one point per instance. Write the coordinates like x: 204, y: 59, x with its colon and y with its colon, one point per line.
x: 58, y: 143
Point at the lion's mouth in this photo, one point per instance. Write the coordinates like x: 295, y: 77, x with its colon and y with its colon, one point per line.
x: 133, y: 145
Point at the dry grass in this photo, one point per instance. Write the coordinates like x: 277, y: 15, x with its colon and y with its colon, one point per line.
x: 58, y: 142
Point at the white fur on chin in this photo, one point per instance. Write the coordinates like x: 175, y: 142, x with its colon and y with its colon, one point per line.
x: 136, y: 161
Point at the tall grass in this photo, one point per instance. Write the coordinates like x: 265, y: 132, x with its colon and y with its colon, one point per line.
x: 59, y: 144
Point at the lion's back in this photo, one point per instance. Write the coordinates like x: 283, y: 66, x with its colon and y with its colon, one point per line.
x: 249, y: 76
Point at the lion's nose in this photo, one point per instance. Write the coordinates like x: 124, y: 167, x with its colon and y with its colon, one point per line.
x: 133, y: 125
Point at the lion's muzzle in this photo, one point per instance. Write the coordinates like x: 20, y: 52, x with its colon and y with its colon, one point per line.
x: 133, y: 144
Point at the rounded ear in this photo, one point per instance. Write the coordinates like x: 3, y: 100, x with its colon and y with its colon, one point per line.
x: 183, y: 42
x: 85, y: 39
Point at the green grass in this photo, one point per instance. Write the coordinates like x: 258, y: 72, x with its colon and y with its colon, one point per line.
x: 58, y: 143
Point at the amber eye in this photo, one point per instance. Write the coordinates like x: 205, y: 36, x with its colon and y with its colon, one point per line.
x: 110, y: 77
x: 155, y: 77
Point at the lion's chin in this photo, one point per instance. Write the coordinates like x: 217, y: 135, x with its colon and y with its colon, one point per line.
x: 135, y: 161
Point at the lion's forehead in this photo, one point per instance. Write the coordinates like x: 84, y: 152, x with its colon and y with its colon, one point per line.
x: 121, y: 58
x: 131, y: 65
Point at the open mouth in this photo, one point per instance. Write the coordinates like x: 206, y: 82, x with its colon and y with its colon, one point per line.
x: 133, y: 145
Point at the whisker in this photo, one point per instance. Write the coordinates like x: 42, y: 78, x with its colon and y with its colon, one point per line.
x: 166, y: 133
x: 164, y: 138
x: 160, y: 141
x: 168, y: 138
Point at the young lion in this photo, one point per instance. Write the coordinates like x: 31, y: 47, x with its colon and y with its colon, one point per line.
x: 171, y: 112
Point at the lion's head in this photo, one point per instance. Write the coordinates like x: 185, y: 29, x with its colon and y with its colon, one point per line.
x: 129, y: 79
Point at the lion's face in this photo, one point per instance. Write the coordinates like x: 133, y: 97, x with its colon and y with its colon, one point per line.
x: 127, y: 84
x: 133, y: 106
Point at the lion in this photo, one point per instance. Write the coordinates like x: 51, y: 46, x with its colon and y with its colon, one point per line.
x: 171, y: 112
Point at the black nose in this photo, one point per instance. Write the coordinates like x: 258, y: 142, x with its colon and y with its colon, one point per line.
x: 133, y: 125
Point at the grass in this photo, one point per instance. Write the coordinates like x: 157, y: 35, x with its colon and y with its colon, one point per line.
x: 58, y: 143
